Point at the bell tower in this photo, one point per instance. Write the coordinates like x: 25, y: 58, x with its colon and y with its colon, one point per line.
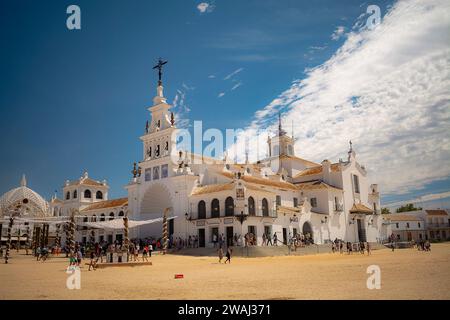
x: 281, y: 144
x: 158, y: 132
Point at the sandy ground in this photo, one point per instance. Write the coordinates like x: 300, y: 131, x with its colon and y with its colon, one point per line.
x: 405, y: 274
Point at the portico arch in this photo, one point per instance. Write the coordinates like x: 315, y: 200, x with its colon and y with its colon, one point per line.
x: 156, y: 199
x: 307, y: 229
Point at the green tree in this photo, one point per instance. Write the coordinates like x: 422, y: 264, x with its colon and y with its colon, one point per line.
x: 408, y: 207
x: 385, y: 211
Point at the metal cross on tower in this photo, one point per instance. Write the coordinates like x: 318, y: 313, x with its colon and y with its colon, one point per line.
x: 159, y: 67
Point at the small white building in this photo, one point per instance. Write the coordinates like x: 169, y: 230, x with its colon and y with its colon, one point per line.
x: 407, y: 227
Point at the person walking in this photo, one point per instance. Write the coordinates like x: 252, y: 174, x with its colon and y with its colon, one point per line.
x: 220, y: 252
x: 229, y: 252
x: 275, y: 239
x: 93, y: 261
x: 368, y: 248
x: 269, y: 240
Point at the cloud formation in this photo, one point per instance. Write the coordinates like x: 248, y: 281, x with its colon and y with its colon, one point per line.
x: 338, y: 33
x: 386, y: 90
x: 235, y: 72
x: 205, y: 7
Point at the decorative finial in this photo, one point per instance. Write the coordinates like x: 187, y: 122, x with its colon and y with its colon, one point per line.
x: 23, y: 181
x: 281, y: 132
x: 172, y: 119
x: 134, y: 171
x: 159, y: 67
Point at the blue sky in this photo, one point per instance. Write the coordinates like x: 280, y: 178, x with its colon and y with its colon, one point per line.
x: 75, y: 100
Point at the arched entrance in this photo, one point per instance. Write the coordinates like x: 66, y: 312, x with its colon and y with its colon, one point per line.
x: 307, y: 230
x: 156, y: 199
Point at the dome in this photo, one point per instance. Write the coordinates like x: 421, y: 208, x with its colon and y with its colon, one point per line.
x: 28, y: 202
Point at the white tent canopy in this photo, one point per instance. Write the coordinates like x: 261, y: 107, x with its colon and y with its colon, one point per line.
x: 117, y: 224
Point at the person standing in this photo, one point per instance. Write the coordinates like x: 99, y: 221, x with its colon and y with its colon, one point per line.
x: 150, y: 249
x: 229, y: 251
x: 275, y: 239
x: 368, y: 248
x: 214, y: 240
x: 145, y: 253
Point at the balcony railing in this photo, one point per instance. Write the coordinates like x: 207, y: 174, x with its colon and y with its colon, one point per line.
x: 438, y: 225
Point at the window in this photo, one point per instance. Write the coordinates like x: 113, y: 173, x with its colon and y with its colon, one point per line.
x: 201, y: 210
x: 87, y: 194
x: 99, y: 195
x: 396, y: 225
x: 85, y: 219
x: 94, y: 218
x: 374, y: 207
x: 290, y: 152
x: 418, y: 224
x: 75, y: 194
x: 251, y: 206
x: 356, y: 183
x: 276, y: 151
x: 148, y: 174
x: 336, y: 203
x: 155, y: 173
x: 407, y: 224
x: 102, y: 217
x: 67, y: 195
x: 229, y: 207
x: 313, y: 202
x: 215, y: 208
x: 121, y: 214
x: 111, y: 216
x: 164, y: 171
x: 295, y: 200
x: 265, y: 207
x: 278, y: 199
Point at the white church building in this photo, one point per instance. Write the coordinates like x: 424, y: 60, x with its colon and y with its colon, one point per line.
x: 282, y: 194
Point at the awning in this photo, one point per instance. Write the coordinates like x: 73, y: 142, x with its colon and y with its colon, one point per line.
x: 117, y: 224
x: 289, y: 210
x: 360, y: 208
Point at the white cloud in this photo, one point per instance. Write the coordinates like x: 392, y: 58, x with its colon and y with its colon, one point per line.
x: 235, y: 72
x: 338, y: 33
x: 205, y: 7
x: 221, y: 95
x: 421, y: 199
x: 237, y: 85
x: 211, y: 76
x: 388, y: 91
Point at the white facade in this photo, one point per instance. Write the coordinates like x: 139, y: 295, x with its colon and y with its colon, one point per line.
x: 282, y: 194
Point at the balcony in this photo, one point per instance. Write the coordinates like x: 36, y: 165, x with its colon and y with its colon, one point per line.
x: 438, y: 225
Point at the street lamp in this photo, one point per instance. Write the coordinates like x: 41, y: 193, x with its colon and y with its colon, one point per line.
x: 241, y: 218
